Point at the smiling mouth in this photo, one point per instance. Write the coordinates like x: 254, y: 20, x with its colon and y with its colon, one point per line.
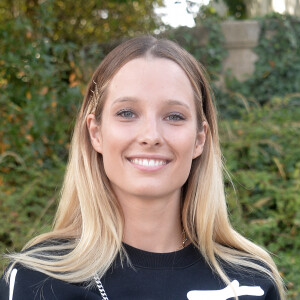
x: 148, y: 162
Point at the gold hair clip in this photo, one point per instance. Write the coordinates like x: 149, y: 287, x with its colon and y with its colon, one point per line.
x: 96, y: 95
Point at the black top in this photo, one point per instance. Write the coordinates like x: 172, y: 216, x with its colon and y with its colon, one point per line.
x: 179, y: 275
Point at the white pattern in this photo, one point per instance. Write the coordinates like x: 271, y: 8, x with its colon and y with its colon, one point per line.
x: 226, y: 293
x: 12, y: 280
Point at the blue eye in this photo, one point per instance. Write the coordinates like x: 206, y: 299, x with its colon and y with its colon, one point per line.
x: 175, y: 117
x: 126, y: 114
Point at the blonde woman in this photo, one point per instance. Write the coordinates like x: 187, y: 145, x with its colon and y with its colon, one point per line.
x: 142, y: 213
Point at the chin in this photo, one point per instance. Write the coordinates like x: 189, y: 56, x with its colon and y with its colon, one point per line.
x: 152, y: 192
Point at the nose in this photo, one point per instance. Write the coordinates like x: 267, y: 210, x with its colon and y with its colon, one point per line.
x: 150, y: 133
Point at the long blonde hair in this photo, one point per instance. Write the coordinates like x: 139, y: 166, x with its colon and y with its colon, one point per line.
x: 89, y: 217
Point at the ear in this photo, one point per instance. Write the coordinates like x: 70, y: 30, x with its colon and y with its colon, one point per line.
x: 200, y: 140
x: 95, y: 132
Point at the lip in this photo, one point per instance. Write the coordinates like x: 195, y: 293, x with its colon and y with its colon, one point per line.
x: 149, y: 157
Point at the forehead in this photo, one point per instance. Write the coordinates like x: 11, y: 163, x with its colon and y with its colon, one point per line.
x: 148, y: 77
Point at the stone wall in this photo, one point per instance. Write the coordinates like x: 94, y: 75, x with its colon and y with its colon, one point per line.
x: 241, y: 37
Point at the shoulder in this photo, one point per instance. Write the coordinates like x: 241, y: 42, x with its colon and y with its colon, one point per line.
x: 28, y: 284
x: 253, y: 280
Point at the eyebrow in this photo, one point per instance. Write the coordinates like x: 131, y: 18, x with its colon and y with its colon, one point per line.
x: 169, y: 101
x: 177, y: 102
x: 124, y: 99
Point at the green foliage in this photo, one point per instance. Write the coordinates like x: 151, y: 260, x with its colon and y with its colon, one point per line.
x: 38, y: 102
x: 28, y: 200
x: 34, y: 90
x: 262, y: 154
x: 237, y: 8
x: 87, y: 22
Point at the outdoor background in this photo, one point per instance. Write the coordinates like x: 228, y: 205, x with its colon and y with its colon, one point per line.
x: 48, y: 51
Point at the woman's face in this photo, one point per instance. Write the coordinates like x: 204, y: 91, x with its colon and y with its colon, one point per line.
x: 148, y: 133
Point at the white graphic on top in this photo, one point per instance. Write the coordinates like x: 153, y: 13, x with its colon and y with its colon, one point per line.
x: 12, y: 280
x: 226, y: 293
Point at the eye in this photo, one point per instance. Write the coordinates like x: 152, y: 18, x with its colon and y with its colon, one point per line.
x: 175, y: 117
x: 126, y: 113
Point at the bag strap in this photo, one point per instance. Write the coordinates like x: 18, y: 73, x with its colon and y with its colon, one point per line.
x: 100, y: 287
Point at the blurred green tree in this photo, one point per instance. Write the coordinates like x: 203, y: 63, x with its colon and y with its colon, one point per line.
x: 83, y: 22
x: 237, y: 8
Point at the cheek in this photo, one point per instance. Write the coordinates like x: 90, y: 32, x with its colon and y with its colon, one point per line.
x: 115, y: 134
x: 183, y: 141
x: 115, y: 141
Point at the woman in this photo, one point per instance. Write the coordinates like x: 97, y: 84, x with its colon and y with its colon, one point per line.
x: 142, y: 213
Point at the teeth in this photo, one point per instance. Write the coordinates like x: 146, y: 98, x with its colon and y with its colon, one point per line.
x: 148, y: 162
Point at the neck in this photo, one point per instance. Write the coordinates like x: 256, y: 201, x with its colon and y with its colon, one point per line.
x: 152, y: 225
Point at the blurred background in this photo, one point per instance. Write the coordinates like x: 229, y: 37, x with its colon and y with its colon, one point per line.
x: 49, y: 50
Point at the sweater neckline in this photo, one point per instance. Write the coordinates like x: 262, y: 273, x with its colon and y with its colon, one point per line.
x: 178, y: 259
